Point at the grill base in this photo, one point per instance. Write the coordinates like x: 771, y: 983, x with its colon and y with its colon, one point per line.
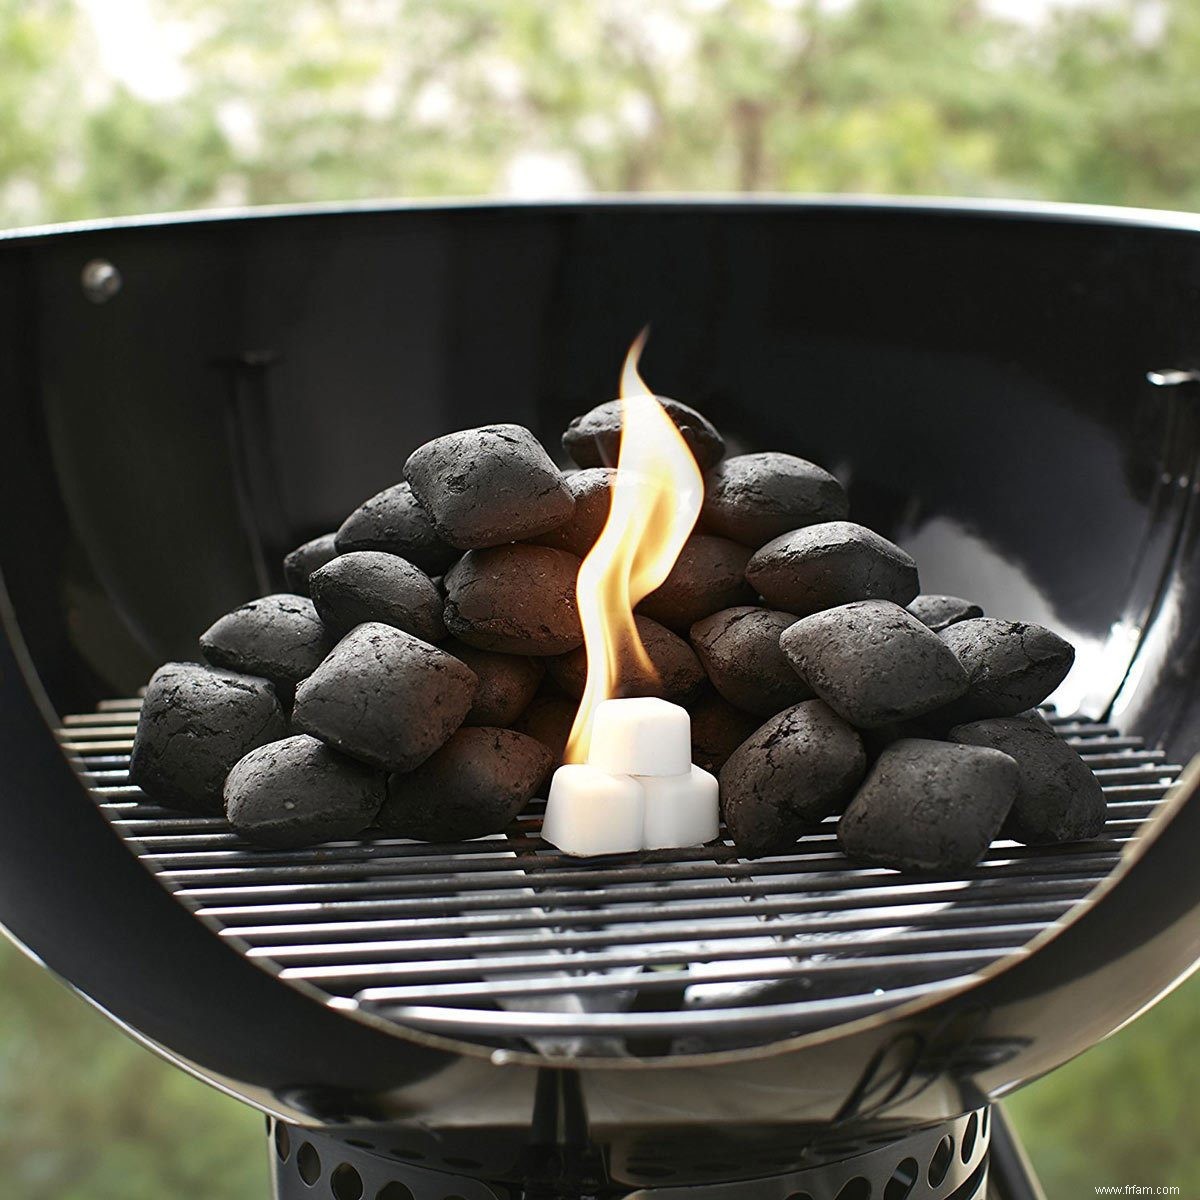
x: 943, y: 1162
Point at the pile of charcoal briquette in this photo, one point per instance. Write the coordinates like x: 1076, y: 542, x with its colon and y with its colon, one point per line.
x: 420, y: 677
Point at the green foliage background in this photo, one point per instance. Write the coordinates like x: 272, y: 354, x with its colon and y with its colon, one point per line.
x: 349, y: 99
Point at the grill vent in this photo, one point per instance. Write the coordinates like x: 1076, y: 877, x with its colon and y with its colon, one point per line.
x: 506, y: 942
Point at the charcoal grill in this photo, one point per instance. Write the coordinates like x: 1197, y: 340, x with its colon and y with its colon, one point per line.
x: 1008, y: 391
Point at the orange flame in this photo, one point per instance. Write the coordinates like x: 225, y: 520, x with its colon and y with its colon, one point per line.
x: 655, y: 503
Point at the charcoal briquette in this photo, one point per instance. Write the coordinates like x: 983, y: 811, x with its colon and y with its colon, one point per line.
x: 1012, y: 666
x: 790, y: 774
x: 484, y: 487
x: 194, y: 725
x: 873, y: 662
x: 507, y: 683
x: 1058, y: 797
x: 718, y: 729
x: 940, y: 612
x: 592, y: 490
x: 675, y: 672
x: 878, y: 739
x: 517, y: 599
x: 395, y: 523
x: 280, y: 638
x: 304, y: 560
x: 549, y: 719
x: 753, y: 498
x: 739, y: 649
x: 594, y: 439
x: 371, y: 585
x: 385, y: 697
x: 708, y: 575
x: 929, y: 806
x: 835, y: 562
x: 299, y: 792
x: 474, y: 785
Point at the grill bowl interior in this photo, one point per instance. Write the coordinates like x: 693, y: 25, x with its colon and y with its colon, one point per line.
x: 977, y: 377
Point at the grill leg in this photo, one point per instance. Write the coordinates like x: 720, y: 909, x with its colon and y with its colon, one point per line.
x: 1010, y: 1174
x: 560, y: 1162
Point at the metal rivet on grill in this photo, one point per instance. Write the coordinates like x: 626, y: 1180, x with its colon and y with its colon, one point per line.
x: 1173, y: 376
x: 100, y: 280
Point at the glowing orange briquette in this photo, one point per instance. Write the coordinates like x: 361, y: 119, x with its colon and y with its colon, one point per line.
x: 656, y: 501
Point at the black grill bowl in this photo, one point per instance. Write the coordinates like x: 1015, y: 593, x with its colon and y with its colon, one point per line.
x: 1009, y: 392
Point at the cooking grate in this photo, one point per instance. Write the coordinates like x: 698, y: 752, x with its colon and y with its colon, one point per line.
x: 506, y: 942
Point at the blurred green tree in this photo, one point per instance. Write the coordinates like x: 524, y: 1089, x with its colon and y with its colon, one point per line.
x: 37, y: 104
x: 346, y: 100
x: 86, y: 1114
x: 1123, y: 1112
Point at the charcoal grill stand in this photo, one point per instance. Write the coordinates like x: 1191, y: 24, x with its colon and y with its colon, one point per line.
x: 973, y: 1158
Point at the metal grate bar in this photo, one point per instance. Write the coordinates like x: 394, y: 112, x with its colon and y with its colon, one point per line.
x: 824, y: 916
x: 476, y: 939
x: 644, y: 957
x: 563, y: 936
x: 836, y: 874
x: 610, y: 901
x: 902, y: 971
x: 344, y: 860
x: 739, y: 878
x: 1100, y: 760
